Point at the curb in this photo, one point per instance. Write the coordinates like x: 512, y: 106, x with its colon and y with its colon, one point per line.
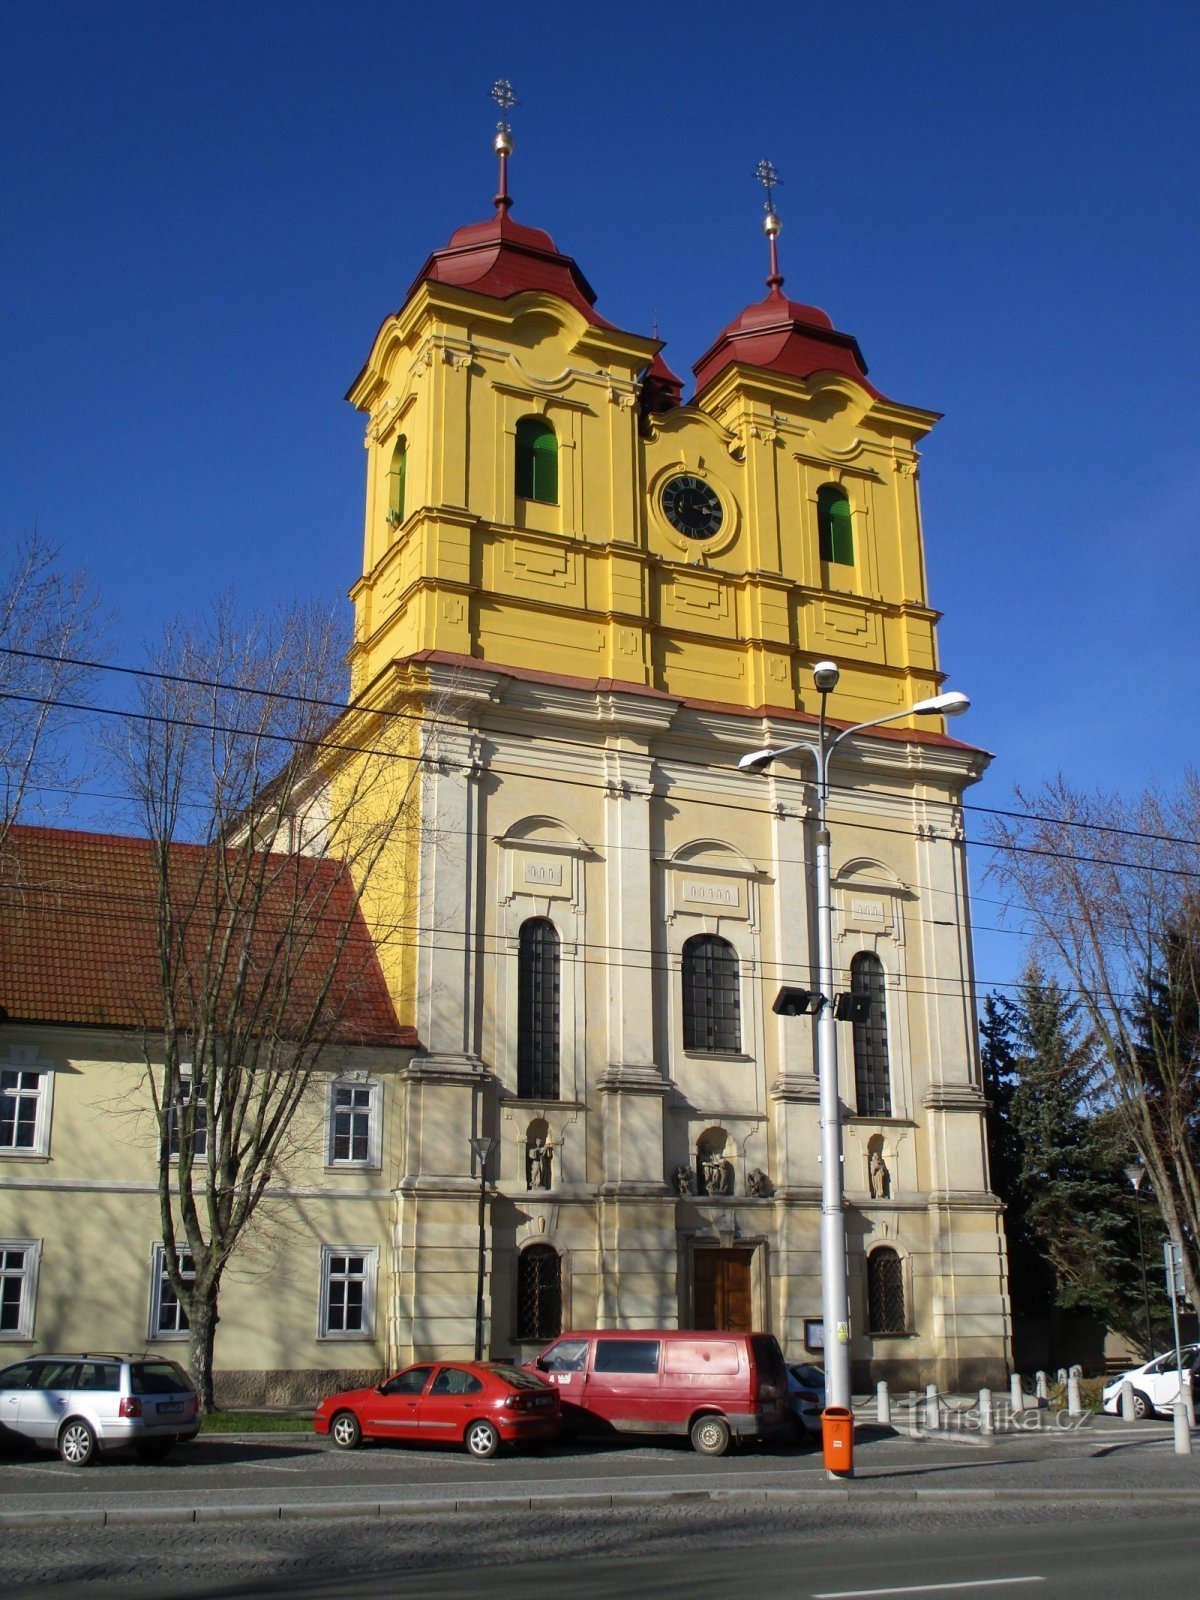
x: 125, y: 1516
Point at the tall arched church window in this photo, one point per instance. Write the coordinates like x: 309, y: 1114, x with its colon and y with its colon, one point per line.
x: 872, y: 1077
x: 537, y: 1011
x: 711, y: 1007
x: 397, y: 472
x: 539, y: 1292
x: 885, y: 1292
x: 834, y: 526
x: 537, y: 461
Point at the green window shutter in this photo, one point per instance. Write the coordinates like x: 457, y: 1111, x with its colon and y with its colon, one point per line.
x: 397, y: 473
x: 537, y: 461
x: 834, y: 525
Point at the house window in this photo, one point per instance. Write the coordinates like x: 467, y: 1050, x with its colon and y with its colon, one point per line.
x: 18, y: 1286
x: 537, y: 461
x: 347, y: 1291
x: 188, y: 1112
x: 834, y: 525
x: 872, y: 1079
x: 397, y: 472
x: 539, y: 1293
x: 711, y: 1009
x: 168, y: 1319
x: 538, y: 1011
x: 25, y: 1111
x: 885, y: 1292
x: 354, y: 1124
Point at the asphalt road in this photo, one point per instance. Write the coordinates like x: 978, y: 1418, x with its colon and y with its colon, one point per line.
x: 827, y: 1551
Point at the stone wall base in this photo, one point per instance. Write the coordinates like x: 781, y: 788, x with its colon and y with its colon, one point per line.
x: 235, y: 1390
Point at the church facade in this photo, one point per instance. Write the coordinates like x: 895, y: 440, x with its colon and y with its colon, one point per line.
x: 593, y: 599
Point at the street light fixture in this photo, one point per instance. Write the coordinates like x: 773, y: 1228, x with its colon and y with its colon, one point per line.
x: 835, y: 1306
x: 1136, y: 1172
x: 482, y: 1146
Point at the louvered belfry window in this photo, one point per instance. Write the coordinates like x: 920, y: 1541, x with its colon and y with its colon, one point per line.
x: 885, y: 1292
x: 711, y: 1008
x: 872, y: 1075
x: 538, y: 1011
x: 539, y: 1293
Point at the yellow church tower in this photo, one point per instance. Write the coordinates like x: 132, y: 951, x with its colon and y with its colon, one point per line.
x: 600, y: 597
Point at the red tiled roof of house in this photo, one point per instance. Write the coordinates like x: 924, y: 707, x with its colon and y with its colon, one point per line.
x: 78, y: 941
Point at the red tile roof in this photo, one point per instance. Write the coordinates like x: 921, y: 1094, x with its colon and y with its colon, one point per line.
x: 78, y: 935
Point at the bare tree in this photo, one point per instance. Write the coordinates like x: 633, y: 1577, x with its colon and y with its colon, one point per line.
x: 270, y: 818
x: 49, y: 626
x: 1112, y: 888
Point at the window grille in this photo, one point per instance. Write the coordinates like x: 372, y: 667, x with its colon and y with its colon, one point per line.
x: 168, y: 1316
x: 885, y: 1292
x: 347, y: 1292
x: 537, y: 461
x: 539, y: 1293
x: 189, y: 1095
x: 20, y: 1098
x: 872, y: 1077
x: 835, y: 528
x: 538, y: 1011
x: 352, y: 1122
x: 711, y: 1008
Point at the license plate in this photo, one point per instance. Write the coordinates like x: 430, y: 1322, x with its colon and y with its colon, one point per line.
x: 169, y: 1405
x: 544, y: 1400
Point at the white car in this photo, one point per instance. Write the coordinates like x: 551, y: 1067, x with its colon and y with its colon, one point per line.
x: 806, y: 1398
x: 1155, y: 1384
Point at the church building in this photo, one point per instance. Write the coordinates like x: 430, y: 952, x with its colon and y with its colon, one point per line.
x: 601, y: 597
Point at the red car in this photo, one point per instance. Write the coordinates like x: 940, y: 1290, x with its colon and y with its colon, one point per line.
x: 480, y: 1404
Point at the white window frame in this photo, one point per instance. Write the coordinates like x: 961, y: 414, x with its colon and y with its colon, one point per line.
x: 24, y: 1059
x: 27, y: 1274
x: 374, y: 1112
x: 370, y: 1255
x: 188, y: 1085
x: 159, y: 1281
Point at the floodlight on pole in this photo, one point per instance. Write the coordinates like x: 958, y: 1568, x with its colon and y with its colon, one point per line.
x: 835, y: 1303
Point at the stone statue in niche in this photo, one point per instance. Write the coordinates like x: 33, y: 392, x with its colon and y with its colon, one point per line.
x: 716, y: 1174
x: 681, y: 1178
x: 538, y: 1158
x: 879, y: 1177
x: 759, y: 1185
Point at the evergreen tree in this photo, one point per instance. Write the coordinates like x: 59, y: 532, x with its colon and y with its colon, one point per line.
x: 1030, y: 1279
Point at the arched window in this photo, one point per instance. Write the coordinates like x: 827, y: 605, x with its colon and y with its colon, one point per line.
x: 537, y: 461
x: 872, y: 1079
x: 537, y: 1011
x: 834, y: 526
x: 397, y: 472
x: 711, y: 1009
x: 539, y: 1293
x: 885, y: 1292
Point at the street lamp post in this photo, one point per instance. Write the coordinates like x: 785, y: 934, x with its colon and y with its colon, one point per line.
x: 482, y: 1147
x: 1136, y: 1172
x: 835, y: 1308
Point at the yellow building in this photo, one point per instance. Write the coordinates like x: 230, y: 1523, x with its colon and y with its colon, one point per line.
x: 592, y: 599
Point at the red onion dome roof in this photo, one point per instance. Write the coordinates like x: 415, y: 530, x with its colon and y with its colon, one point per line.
x: 782, y: 335
x: 501, y: 257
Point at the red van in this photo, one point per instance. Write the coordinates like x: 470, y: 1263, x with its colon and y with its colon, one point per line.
x: 710, y: 1386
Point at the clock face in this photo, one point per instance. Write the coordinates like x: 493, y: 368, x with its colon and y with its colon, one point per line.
x: 691, y: 507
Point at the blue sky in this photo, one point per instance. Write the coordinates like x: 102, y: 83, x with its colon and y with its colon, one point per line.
x: 209, y: 209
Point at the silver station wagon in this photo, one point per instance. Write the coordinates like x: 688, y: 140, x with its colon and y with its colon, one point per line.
x: 82, y: 1404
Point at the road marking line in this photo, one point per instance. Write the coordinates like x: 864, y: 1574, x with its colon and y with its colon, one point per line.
x: 266, y: 1466
x: 923, y: 1588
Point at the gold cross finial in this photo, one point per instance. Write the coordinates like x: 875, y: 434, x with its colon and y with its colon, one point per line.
x: 502, y: 94
x: 770, y: 180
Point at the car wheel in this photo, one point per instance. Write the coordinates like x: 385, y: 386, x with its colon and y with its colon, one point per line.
x: 710, y: 1436
x: 482, y: 1440
x: 1141, y: 1406
x: 152, y: 1450
x: 345, y: 1431
x: 76, y: 1443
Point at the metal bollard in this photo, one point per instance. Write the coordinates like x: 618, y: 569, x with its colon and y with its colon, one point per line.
x: 933, y: 1412
x: 1128, y: 1414
x: 1183, y: 1433
x: 1189, y: 1399
x: 986, y: 1423
x: 1016, y: 1397
x: 1041, y: 1387
x: 1074, y: 1398
x: 883, y: 1404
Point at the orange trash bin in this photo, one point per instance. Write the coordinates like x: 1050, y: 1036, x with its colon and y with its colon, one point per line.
x: 837, y: 1439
